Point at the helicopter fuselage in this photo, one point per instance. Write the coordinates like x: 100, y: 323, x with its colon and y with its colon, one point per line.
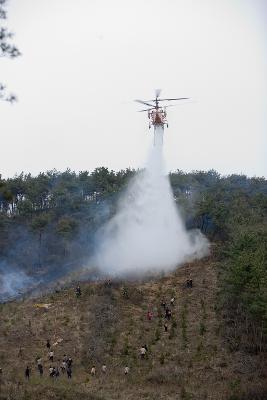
x: 157, y: 117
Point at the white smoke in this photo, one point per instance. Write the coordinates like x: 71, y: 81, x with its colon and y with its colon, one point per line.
x: 147, y: 233
x: 12, y: 282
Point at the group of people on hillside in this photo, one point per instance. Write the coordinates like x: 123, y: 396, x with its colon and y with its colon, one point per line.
x: 54, y: 371
x: 167, y: 311
x: 66, y: 365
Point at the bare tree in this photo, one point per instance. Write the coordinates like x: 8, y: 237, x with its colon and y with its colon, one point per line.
x: 7, y: 49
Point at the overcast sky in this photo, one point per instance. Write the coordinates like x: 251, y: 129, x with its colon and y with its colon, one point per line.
x: 84, y: 62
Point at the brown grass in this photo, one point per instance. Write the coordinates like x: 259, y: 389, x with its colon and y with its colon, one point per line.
x: 190, y: 361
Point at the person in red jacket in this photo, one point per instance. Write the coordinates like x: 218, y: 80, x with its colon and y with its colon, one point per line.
x: 149, y: 315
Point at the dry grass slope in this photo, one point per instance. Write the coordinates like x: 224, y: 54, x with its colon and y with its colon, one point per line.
x: 109, y: 324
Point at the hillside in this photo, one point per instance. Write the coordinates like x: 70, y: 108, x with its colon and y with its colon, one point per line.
x: 108, y: 324
x: 49, y: 223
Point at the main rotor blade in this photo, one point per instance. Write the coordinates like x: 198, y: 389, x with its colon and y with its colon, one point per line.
x: 145, y: 103
x: 147, y: 109
x: 179, y: 98
x: 172, y: 105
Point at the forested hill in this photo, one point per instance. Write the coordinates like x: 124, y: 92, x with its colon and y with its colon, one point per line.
x: 48, y: 225
x: 50, y: 220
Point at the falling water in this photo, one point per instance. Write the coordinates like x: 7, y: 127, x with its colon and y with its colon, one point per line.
x: 147, y: 232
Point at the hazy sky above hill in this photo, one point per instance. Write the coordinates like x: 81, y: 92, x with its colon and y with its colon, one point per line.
x: 85, y: 61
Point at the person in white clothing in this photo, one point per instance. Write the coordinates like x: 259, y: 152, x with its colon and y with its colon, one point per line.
x: 93, y: 371
x: 104, y: 369
x: 143, y: 352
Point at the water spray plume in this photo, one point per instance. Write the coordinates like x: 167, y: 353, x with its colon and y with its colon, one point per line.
x: 147, y: 233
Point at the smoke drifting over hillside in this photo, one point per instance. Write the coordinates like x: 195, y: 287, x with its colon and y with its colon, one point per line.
x: 147, y: 233
x: 12, y: 281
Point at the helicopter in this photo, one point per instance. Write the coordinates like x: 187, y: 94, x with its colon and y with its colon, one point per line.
x: 156, y: 112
